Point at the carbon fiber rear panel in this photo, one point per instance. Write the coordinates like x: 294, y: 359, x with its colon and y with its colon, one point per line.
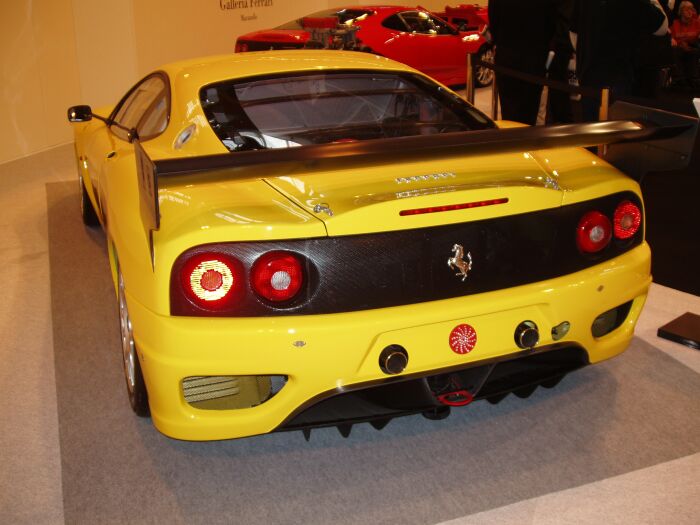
x: 361, y: 272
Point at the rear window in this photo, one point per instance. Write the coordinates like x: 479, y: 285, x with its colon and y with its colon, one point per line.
x: 321, y: 108
x: 344, y: 15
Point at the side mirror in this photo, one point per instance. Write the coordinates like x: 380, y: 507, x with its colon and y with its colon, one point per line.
x: 79, y: 114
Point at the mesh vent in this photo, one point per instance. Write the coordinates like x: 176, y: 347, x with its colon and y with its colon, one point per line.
x: 209, y: 387
x: 230, y: 392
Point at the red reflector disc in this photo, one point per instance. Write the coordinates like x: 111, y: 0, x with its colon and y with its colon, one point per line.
x: 211, y: 280
x: 462, y: 339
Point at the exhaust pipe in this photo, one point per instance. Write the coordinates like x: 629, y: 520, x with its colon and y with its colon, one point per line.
x: 393, y: 359
x: 527, y: 335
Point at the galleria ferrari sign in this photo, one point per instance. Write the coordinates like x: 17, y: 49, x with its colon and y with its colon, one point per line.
x: 227, y: 5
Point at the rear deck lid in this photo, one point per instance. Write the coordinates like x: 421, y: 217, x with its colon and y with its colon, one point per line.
x: 403, y: 195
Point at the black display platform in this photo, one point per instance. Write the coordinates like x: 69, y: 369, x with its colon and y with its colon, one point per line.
x: 684, y: 330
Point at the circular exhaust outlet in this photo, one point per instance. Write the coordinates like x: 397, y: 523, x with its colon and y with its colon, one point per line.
x: 393, y: 359
x: 527, y: 335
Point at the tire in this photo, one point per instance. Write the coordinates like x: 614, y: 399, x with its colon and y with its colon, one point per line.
x: 87, y: 210
x: 483, y: 76
x: 135, y: 385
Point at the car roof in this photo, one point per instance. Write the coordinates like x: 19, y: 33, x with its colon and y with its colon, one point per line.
x: 207, y: 70
x: 382, y: 8
x: 377, y: 7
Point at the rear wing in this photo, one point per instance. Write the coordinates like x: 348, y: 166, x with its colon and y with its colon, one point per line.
x: 662, y: 153
x: 670, y: 137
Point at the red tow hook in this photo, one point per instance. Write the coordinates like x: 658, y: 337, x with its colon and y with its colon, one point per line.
x: 458, y: 398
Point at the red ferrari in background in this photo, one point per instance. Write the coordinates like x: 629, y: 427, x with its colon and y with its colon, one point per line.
x: 410, y: 35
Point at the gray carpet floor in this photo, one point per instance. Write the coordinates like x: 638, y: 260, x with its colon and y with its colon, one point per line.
x: 634, y: 411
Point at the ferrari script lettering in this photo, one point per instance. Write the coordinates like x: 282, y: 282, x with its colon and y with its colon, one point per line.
x: 418, y: 178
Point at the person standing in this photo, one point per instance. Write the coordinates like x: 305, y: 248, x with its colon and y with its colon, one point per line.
x: 607, y: 35
x: 522, y: 32
x: 685, y: 31
x: 560, y: 108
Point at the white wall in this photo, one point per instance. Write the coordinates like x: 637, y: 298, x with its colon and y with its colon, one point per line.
x: 39, y: 75
x: 106, y: 49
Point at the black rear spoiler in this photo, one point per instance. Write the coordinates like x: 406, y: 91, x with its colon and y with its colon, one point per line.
x: 483, y: 142
x: 661, y: 153
x: 667, y: 131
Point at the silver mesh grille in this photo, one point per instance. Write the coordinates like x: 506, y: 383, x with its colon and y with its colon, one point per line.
x: 201, y: 388
x: 230, y: 392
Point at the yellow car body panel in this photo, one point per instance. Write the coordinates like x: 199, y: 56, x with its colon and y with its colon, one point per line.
x: 321, y: 353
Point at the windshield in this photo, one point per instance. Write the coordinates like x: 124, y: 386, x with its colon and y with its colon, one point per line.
x: 321, y: 108
x: 344, y: 15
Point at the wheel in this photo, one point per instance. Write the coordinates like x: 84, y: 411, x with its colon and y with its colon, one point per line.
x: 87, y: 210
x: 483, y: 76
x: 135, y: 385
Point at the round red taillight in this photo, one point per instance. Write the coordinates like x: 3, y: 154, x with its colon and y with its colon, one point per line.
x: 211, y: 280
x: 593, y: 232
x: 277, y: 276
x: 627, y: 219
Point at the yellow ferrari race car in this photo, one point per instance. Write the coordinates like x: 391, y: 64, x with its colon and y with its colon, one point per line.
x: 318, y: 238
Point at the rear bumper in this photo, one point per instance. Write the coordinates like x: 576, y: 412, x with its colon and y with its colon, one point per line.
x: 325, y: 354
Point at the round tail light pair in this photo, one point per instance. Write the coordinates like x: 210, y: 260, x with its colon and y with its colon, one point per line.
x: 215, y: 281
x: 594, y: 230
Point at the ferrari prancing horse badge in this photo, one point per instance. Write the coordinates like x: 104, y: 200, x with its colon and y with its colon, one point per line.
x: 458, y: 263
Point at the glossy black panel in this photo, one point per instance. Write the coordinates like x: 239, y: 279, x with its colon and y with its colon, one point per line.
x: 361, y: 272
